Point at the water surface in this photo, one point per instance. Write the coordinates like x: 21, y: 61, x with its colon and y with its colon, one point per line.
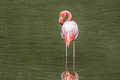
x: 31, y: 47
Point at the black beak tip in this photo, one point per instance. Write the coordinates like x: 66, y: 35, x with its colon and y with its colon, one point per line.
x: 61, y: 23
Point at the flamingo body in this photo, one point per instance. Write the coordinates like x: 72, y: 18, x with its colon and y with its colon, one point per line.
x: 70, y: 28
x: 69, y: 31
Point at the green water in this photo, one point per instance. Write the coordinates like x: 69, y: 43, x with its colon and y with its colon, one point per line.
x: 31, y: 47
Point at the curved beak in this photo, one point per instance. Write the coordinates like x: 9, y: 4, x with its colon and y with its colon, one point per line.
x: 61, y: 23
x: 61, y: 20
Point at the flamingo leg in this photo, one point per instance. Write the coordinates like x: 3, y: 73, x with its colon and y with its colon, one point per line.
x: 66, y: 58
x: 73, y: 52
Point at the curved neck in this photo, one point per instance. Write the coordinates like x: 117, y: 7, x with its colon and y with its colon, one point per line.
x: 69, y: 15
x: 63, y: 14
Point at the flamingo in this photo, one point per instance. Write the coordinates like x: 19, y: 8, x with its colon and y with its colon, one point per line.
x: 69, y: 32
x: 69, y: 29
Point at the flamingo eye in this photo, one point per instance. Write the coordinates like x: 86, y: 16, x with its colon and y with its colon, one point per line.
x: 62, y: 15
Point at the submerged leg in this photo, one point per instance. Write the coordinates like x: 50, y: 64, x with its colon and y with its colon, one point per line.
x: 73, y: 55
x: 66, y: 58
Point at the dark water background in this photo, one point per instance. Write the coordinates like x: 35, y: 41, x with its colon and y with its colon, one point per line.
x: 31, y: 47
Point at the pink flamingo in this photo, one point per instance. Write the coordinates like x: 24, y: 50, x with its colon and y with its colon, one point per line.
x: 69, y: 28
x: 69, y: 32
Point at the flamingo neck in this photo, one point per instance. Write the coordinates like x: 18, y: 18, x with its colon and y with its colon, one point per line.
x: 69, y: 15
x: 63, y: 14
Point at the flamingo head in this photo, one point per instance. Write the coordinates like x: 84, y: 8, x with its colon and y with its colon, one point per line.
x: 63, y: 15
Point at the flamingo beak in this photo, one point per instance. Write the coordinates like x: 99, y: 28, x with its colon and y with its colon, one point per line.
x: 61, y: 20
